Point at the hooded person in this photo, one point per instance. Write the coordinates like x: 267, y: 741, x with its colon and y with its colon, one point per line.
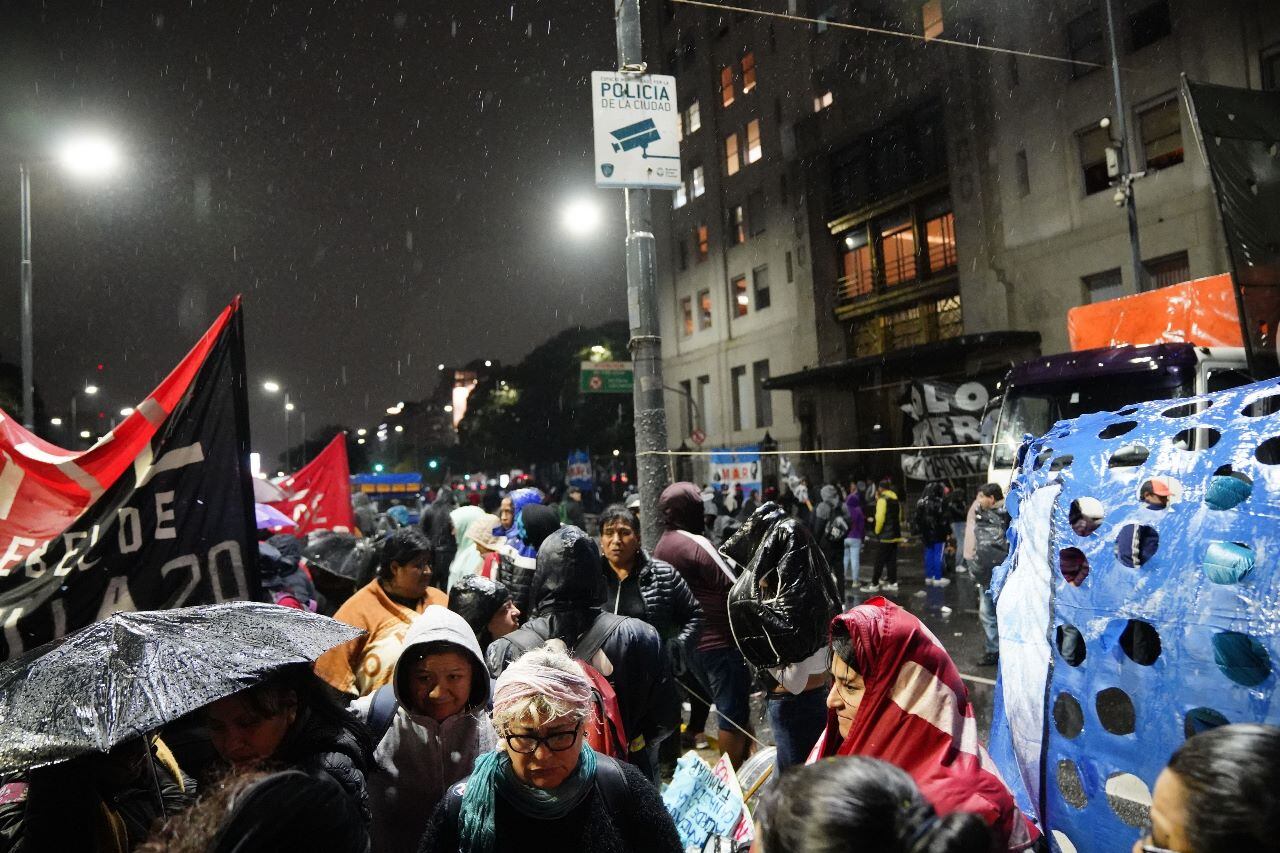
x: 487, y: 607
x: 568, y: 595
x: 365, y: 512
x: 830, y: 525
x: 885, y: 661
x: 517, y: 539
x: 438, y: 525
x: 466, y: 559
x: 429, y: 725
x: 518, y: 558
x: 716, y: 663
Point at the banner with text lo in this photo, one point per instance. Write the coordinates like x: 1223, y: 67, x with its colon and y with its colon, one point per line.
x: 320, y: 492
x: 158, y: 514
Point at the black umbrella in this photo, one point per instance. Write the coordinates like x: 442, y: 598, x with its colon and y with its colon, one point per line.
x: 133, y: 672
x: 341, y: 554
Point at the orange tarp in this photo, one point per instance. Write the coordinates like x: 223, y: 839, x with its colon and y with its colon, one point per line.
x: 1201, y: 312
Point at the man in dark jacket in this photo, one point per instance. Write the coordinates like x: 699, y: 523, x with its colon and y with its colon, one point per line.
x: 568, y: 595
x: 717, y: 664
x: 931, y: 524
x: 990, y: 547
x: 517, y: 563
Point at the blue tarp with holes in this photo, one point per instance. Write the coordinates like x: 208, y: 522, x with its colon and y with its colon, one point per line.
x: 1137, y: 605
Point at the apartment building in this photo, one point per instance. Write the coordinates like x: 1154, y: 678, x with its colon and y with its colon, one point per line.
x: 735, y: 280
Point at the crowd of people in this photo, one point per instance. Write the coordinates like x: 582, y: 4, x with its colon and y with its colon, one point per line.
x: 520, y: 683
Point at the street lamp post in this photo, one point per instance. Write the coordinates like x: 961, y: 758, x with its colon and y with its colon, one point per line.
x: 1126, y: 176
x: 84, y: 157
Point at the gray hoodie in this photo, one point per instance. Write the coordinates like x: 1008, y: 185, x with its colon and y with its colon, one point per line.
x: 419, y: 758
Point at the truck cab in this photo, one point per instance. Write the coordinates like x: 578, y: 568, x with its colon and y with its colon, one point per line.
x: 1040, y: 392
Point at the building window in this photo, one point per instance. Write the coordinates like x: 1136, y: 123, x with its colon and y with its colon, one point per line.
x: 1168, y: 270
x: 757, y: 216
x: 704, y: 309
x: 741, y: 301
x: 679, y: 197
x: 1149, y: 24
x: 702, y: 239
x: 822, y: 101
x: 1271, y: 68
x: 1023, y: 173
x: 1161, y: 130
x: 698, y: 184
x: 940, y: 237
x: 748, y: 72
x: 692, y: 118
x: 931, y: 13
x: 760, y: 286
x: 856, y: 251
x: 686, y: 406
x: 1104, y: 285
x: 791, y: 272
x: 898, y: 250
x: 726, y: 86
x: 1085, y: 43
x: 737, y: 226
x: 686, y: 314
x: 738, y: 379
x: 1093, y: 158
x: 753, y: 141
x: 764, y: 405
x: 704, y: 397
x: 732, y: 160
x: 949, y: 318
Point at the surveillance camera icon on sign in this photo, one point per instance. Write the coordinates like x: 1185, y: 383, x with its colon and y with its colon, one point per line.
x: 640, y: 135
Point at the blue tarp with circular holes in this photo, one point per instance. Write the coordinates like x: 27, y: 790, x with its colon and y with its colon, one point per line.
x: 1122, y: 634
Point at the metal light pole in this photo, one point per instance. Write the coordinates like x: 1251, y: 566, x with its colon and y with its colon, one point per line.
x: 28, y: 359
x: 288, y: 457
x: 650, y: 416
x: 1122, y: 129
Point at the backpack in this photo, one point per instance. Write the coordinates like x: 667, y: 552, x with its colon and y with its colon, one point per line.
x: 837, y: 526
x: 605, y: 731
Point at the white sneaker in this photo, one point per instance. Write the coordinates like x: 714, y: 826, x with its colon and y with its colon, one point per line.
x: 871, y: 587
x: 928, y: 582
x: 945, y: 611
x: 889, y: 587
x: 920, y: 593
x: 942, y: 582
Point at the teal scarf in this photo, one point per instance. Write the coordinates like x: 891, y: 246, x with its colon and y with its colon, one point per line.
x: 493, y: 772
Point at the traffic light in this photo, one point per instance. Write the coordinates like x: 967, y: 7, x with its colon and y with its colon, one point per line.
x: 433, y: 464
x: 377, y: 469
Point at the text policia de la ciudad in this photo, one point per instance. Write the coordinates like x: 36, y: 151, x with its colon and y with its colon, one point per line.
x: 634, y: 95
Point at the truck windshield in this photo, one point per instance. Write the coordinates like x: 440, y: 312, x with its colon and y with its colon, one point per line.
x: 1035, y: 408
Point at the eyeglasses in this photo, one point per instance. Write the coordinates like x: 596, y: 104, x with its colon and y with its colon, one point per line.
x: 556, y: 741
x: 1146, y: 837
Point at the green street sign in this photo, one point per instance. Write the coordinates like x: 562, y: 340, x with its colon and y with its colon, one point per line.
x: 606, y: 377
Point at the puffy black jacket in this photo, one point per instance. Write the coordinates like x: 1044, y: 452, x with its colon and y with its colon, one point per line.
x: 931, y: 515
x: 516, y: 574
x: 785, y: 597
x: 339, y: 749
x: 669, y: 605
x: 991, y: 546
x: 568, y: 594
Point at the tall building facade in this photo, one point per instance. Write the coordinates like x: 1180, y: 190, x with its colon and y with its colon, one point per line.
x: 944, y: 206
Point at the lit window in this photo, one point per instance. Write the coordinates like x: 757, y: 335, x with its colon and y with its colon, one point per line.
x: 753, y: 141
x: 1161, y: 129
x: 692, y: 118
x: 932, y: 14
x: 702, y: 239
x: 732, y: 161
x: 704, y: 309
x: 821, y: 102
x: 940, y: 234
x: 679, y: 197
x: 741, y: 300
x: 737, y: 225
x: 856, y: 256
x: 898, y: 249
x: 748, y: 72
x: 686, y: 313
x: 726, y: 86
x: 699, y: 184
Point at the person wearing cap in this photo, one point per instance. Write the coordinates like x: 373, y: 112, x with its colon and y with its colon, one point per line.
x: 480, y: 536
x: 1155, y: 494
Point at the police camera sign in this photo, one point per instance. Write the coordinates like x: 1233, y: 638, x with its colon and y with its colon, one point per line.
x: 636, y: 134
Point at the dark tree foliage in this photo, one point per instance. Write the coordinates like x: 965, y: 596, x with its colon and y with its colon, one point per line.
x: 533, y: 413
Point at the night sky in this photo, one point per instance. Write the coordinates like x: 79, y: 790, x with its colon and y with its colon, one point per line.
x: 382, y: 181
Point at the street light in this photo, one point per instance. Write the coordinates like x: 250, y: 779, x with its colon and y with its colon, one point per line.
x: 581, y: 217
x: 55, y: 421
x: 270, y: 387
x: 91, y: 390
x: 273, y: 387
x: 83, y: 157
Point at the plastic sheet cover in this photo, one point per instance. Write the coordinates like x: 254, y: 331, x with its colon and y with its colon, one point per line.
x: 1201, y: 312
x: 1126, y: 627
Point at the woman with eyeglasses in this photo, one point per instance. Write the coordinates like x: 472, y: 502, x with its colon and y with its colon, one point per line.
x: 545, y: 788
x: 1218, y: 794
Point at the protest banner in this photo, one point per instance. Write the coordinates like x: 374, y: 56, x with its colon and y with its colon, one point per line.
x: 320, y: 491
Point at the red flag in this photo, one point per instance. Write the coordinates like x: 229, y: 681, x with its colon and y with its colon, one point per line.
x: 320, y: 491
x: 45, y: 488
